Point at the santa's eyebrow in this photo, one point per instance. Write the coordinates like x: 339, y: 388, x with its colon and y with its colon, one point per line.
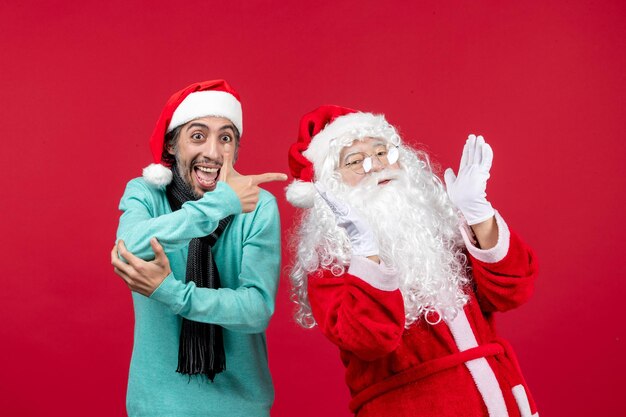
x: 353, y: 153
x: 374, y: 145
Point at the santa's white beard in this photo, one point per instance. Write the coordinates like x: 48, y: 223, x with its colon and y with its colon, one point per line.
x: 417, y: 230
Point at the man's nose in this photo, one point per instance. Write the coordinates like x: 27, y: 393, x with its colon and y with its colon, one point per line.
x: 211, y: 149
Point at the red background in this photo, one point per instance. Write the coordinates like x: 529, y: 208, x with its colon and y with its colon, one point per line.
x: 82, y: 84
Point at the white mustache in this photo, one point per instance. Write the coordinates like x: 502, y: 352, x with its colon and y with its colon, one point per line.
x: 376, y: 177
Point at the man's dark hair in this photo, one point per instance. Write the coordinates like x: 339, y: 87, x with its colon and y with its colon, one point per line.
x: 172, y: 137
x: 170, y: 142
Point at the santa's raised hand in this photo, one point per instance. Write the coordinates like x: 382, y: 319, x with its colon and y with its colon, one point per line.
x: 467, y: 190
x: 245, y: 186
x: 362, y: 237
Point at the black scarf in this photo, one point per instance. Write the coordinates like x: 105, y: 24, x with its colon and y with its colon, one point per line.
x: 201, y: 346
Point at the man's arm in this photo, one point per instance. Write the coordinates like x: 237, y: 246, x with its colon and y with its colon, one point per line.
x: 141, y: 276
x: 246, y: 308
x: 138, y: 223
x: 234, y: 194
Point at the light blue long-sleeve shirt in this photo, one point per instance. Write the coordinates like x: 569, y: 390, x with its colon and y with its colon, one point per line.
x: 247, y: 256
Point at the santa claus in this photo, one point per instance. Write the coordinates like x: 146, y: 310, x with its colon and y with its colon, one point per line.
x: 404, y: 274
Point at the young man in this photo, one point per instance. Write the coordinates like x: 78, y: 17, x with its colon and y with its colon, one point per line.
x: 202, y: 249
x: 403, y: 285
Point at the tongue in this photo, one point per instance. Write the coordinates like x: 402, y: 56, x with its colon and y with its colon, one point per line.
x: 206, y: 178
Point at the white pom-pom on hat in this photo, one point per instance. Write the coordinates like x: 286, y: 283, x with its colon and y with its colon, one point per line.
x: 301, y: 194
x: 157, y: 175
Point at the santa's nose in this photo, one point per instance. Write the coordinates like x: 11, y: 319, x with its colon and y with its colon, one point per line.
x: 377, y: 165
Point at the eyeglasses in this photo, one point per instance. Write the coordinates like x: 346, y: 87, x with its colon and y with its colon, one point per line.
x: 361, y: 163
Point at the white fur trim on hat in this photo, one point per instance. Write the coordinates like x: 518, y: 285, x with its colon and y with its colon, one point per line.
x: 208, y: 103
x: 355, y: 125
x: 301, y: 194
x: 157, y: 175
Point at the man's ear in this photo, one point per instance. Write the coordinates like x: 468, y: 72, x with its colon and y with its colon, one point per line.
x: 170, y: 150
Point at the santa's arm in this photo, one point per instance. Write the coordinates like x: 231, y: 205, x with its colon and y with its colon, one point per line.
x: 505, y: 273
x: 486, y: 233
x: 504, y: 268
x: 364, y: 316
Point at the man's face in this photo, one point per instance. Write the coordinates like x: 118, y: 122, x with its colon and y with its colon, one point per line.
x: 353, y: 164
x: 199, y: 151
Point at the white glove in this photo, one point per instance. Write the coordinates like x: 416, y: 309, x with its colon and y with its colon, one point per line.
x: 467, y: 191
x: 364, y: 242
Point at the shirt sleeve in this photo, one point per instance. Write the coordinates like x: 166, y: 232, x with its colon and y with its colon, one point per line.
x: 249, y: 307
x: 356, y: 316
x: 504, y: 275
x: 138, y: 222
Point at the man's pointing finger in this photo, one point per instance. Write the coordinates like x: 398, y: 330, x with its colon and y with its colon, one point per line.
x: 267, y: 177
x: 227, y: 162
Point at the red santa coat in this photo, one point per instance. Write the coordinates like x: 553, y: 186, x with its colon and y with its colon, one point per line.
x: 454, y: 368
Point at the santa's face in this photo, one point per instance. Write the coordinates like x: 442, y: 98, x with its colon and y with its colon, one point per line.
x: 416, y: 228
x: 364, y: 157
x: 199, y: 151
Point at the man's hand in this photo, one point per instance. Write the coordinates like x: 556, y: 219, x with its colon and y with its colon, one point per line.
x: 246, y: 186
x: 141, y: 276
x: 362, y: 237
x: 468, y: 190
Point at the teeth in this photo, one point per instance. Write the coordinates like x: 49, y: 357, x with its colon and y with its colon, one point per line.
x: 205, y: 169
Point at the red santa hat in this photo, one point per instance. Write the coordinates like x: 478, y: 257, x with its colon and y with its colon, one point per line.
x: 207, y: 98
x: 317, y: 131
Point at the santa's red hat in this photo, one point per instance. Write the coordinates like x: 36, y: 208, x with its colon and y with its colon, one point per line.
x: 207, y: 98
x: 317, y: 131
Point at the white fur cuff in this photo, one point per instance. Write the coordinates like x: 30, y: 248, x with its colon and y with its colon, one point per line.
x: 378, y: 276
x: 498, y: 252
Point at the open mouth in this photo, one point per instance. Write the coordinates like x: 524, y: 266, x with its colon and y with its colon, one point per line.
x: 385, y: 181
x: 206, y: 177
